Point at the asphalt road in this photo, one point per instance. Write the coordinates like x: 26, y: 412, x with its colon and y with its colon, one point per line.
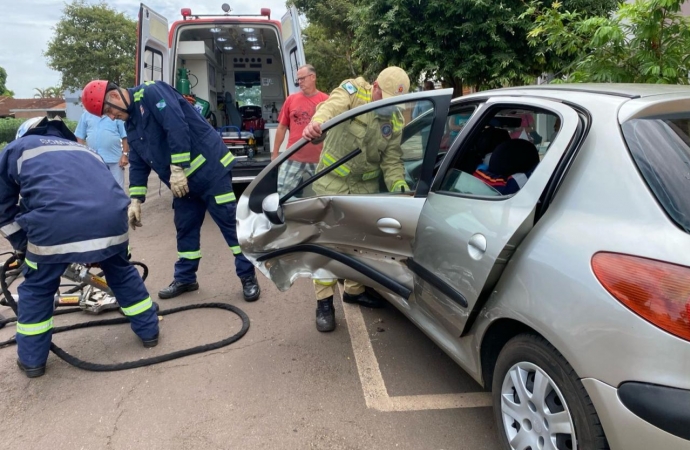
x: 376, y: 382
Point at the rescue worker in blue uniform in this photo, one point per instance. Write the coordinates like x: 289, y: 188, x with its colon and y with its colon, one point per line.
x: 72, y: 210
x: 166, y: 134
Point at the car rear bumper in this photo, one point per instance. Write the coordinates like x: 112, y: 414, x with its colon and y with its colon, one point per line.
x: 625, y: 430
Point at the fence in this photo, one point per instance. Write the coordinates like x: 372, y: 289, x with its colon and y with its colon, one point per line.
x: 9, y: 127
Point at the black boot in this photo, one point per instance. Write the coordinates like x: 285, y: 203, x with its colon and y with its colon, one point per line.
x: 32, y: 372
x: 369, y: 298
x: 176, y: 288
x: 250, y: 288
x: 325, y: 315
x: 150, y: 343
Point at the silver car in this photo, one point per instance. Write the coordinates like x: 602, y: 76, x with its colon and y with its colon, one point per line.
x: 543, y: 245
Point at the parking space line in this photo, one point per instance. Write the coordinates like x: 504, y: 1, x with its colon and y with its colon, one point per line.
x: 374, y: 387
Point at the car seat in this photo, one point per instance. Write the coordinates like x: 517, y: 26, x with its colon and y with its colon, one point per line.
x: 489, y: 138
x: 513, y: 157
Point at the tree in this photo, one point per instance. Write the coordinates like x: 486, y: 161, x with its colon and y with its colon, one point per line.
x: 51, y: 92
x: 331, y: 57
x: 643, y: 42
x: 3, y: 88
x: 92, y: 42
x: 478, y: 43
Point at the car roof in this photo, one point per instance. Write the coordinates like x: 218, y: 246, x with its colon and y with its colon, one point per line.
x: 626, y: 90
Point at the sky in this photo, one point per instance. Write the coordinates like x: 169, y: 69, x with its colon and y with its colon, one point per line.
x: 27, y: 27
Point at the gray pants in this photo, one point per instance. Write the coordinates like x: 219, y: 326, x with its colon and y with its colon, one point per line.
x: 118, y: 172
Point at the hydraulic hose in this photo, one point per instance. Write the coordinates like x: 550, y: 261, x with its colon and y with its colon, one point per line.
x: 64, y: 355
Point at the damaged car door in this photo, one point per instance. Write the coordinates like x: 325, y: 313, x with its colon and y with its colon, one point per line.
x: 347, y: 207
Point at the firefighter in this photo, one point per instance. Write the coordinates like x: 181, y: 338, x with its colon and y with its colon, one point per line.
x: 378, y: 135
x: 71, y: 210
x: 166, y: 134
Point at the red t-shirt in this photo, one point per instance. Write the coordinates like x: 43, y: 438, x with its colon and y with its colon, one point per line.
x: 296, y: 114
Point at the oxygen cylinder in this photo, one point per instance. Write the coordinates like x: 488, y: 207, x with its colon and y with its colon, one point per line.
x: 183, y: 86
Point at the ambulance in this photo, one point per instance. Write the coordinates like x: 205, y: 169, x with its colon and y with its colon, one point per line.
x: 237, y: 71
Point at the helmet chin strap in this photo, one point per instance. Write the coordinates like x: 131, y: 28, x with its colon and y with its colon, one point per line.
x: 124, y: 100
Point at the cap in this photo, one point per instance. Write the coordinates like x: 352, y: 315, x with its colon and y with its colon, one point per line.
x: 393, y: 81
x: 30, y: 124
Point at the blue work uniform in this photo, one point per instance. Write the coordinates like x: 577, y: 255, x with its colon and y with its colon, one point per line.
x: 71, y: 210
x: 163, y: 129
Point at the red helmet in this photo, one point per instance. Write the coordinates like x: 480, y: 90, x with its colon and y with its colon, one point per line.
x: 93, y: 96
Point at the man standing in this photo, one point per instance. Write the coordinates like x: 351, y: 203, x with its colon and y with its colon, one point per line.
x: 378, y: 135
x: 71, y: 211
x: 296, y: 114
x: 109, y: 139
x: 168, y: 135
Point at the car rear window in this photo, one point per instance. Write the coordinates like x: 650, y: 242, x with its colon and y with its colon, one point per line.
x: 661, y: 149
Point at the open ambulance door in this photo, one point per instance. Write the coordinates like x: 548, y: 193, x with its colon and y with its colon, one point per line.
x: 293, y: 49
x: 153, y: 55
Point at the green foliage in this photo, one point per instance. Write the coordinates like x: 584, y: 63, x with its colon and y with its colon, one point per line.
x: 331, y: 57
x: 92, y: 42
x: 9, y: 127
x: 3, y: 80
x: 50, y: 92
x: 647, y: 41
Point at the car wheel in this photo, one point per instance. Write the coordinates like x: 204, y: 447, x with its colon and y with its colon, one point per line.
x: 539, y: 401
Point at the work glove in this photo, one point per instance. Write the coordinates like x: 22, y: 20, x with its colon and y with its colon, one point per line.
x: 178, y: 181
x: 134, y: 213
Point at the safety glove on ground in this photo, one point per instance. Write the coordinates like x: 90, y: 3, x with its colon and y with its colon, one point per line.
x: 134, y: 214
x: 178, y: 181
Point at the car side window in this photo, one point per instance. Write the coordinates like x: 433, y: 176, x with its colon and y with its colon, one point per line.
x: 372, y: 153
x: 500, y: 155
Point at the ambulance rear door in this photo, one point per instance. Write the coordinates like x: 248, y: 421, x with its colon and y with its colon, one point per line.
x: 293, y: 49
x: 153, y: 54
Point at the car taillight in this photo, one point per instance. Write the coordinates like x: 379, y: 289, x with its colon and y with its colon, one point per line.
x: 657, y: 291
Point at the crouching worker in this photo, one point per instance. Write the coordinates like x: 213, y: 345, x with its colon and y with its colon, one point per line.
x: 72, y: 211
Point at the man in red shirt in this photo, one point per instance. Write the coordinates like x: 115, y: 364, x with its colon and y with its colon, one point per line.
x: 296, y: 114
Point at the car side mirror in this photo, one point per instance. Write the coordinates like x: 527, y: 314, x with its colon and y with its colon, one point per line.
x: 273, y: 209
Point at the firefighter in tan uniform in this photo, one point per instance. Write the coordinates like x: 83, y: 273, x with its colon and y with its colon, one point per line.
x: 378, y: 135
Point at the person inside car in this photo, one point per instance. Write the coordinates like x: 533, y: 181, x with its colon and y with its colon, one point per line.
x: 510, y: 166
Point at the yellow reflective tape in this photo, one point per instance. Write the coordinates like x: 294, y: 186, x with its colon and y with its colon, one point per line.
x: 397, y: 184
x: 397, y: 122
x: 149, y: 83
x: 225, y: 198
x: 189, y: 255
x: 32, y: 329
x: 138, y: 308
x: 227, y: 159
x: 329, y: 160
x: 136, y: 191
x: 236, y: 250
x: 198, y: 161
x: 325, y: 283
x: 177, y: 158
x: 138, y: 95
x: 363, y: 96
x: 371, y: 175
x: 31, y: 264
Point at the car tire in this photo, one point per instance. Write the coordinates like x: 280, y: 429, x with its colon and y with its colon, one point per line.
x: 533, y: 385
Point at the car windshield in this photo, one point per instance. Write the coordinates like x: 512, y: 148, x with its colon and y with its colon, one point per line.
x: 661, y: 150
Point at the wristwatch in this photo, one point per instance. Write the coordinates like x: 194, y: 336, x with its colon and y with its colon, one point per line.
x: 126, y: 153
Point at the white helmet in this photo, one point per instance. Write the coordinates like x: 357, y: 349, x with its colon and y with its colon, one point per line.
x: 29, y: 124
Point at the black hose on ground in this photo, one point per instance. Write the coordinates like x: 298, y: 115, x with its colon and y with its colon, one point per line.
x: 122, y: 320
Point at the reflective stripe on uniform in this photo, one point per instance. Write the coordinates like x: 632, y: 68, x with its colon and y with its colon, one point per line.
x: 33, y: 329
x: 31, y: 264
x: 236, y: 250
x: 139, y: 95
x: 329, y: 160
x: 137, y: 191
x: 138, y: 308
x: 397, y: 121
x: 397, y: 184
x: 198, y: 161
x: 225, y: 198
x: 78, y: 247
x: 34, y: 152
x: 177, y: 158
x: 366, y: 96
x: 149, y: 83
x: 371, y: 175
x: 189, y: 255
x: 227, y: 159
x: 325, y: 283
x: 9, y: 229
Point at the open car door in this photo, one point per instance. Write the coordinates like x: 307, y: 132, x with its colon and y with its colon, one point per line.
x: 299, y: 229
x: 293, y: 49
x: 153, y: 55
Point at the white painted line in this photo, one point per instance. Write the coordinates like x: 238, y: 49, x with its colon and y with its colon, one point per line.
x: 374, y: 388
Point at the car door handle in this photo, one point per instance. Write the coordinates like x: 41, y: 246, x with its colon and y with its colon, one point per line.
x: 476, y: 246
x: 388, y: 225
